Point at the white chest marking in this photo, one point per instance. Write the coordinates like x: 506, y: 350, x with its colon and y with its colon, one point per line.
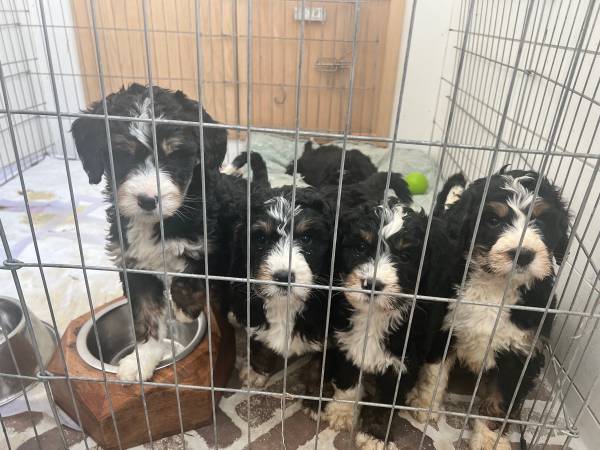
x: 146, y: 249
x: 474, y: 324
x: 376, y: 357
x: 274, y: 336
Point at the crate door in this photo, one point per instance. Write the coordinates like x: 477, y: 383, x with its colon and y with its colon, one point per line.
x: 327, y: 56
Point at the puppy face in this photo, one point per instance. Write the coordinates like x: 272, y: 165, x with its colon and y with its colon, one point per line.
x: 135, y: 169
x: 136, y: 172
x: 401, y: 247
x: 504, y: 217
x: 271, y: 243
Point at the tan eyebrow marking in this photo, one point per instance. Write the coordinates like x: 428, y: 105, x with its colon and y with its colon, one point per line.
x: 401, y: 244
x: 262, y: 226
x: 500, y: 209
x: 539, y: 207
x: 170, y: 145
x: 303, y: 225
x: 367, y: 236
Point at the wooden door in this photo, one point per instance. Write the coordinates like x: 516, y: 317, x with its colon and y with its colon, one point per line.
x: 327, y: 53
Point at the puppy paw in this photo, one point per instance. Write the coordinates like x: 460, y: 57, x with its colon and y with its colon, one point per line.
x: 230, y: 169
x: 311, y: 412
x: 251, y: 378
x: 366, y: 441
x: 233, y: 320
x: 482, y: 438
x: 417, y: 399
x: 180, y: 315
x: 188, y: 297
x: 339, y: 415
x: 128, y: 369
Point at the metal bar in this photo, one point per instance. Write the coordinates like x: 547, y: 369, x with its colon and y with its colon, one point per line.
x: 530, y: 42
x: 283, y: 131
x: 249, y: 98
x: 167, y: 291
x: 299, y: 65
x: 199, y: 67
x: 274, y: 394
x: 19, y: 264
x: 92, y: 4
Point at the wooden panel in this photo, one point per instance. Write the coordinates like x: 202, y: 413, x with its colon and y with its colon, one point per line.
x: 275, y: 45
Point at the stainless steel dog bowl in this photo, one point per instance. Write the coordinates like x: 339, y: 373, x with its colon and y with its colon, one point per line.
x: 116, y: 338
x: 12, y: 320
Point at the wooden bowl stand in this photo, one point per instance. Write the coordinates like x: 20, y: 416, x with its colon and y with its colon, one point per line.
x: 93, y: 403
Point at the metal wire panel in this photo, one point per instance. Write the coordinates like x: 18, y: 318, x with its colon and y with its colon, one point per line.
x: 519, y: 86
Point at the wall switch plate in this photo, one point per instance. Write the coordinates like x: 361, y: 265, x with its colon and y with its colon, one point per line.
x: 311, y: 14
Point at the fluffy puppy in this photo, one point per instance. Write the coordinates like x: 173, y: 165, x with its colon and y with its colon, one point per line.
x: 137, y: 197
x: 270, y: 246
x: 402, y: 240
x: 510, y: 196
x: 321, y: 166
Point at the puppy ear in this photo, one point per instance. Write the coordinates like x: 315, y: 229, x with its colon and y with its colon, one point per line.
x: 314, y: 200
x: 458, y: 220
x: 215, y: 143
x: 562, y: 223
x: 237, y: 261
x: 90, y: 140
x: 443, y: 256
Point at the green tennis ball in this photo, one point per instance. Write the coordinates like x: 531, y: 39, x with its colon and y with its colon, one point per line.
x: 417, y: 182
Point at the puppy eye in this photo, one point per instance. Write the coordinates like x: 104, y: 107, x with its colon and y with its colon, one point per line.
x: 402, y: 257
x: 362, y: 247
x: 260, y: 237
x: 493, y: 221
x: 306, y: 237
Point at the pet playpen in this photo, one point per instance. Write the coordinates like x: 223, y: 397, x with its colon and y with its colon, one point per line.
x: 469, y: 85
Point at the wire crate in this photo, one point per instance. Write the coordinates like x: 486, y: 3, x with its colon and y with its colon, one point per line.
x: 470, y: 85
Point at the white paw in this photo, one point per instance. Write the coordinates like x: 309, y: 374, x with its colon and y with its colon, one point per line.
x: 365, y: 441
x: 310, y: 412
x: 251, y: 378
x: 482, y: 438
x: 230, y: 169
x: 128, y: 369
x: 417, y: 399
x: 233, y: 320
x: 339, y: 415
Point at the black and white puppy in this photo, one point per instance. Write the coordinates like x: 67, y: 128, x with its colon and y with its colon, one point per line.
x: 490, y: 278
x: 271, y: 245
x: 321, y: 166
x: 402, y: 240
x: 135, y: 176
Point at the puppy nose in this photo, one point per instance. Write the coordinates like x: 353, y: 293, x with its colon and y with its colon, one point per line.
x: 525, y: 256
x: 146, y: 202
x: 281, y: 276
x: 369, y: 283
